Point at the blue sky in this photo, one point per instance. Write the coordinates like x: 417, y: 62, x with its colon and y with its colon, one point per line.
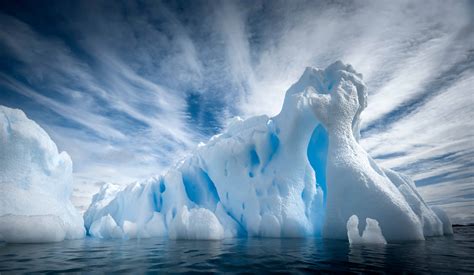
x: 128, y: 88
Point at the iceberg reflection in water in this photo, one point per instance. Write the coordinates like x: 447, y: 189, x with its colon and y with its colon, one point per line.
x: 438, y: 254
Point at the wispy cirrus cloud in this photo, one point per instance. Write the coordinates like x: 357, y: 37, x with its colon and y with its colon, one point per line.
x: 129, y: 88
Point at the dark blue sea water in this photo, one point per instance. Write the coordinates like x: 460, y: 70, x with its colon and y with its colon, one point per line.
x: 441, y: 254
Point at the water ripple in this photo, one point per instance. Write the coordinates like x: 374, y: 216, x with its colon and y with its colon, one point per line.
x: 435, y: 255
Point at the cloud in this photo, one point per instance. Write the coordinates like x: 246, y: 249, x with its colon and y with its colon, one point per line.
x: 109, y: 112
x: 129, y: 88
x: 455, y: 197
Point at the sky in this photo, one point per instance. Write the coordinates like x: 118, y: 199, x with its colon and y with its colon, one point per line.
x: 128, y: 88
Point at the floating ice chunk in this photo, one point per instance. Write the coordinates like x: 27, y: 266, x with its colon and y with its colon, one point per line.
x: 372, y: 233
x: 35, y: 184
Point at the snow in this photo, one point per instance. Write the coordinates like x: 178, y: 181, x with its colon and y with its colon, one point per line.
x: 300, y: 173
x: 35, y: 184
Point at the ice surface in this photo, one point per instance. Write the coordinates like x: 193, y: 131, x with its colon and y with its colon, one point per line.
x: 447, y: 228
x: 35, y: 184
x: 372, y: 233
x: 297, y: 174
x: 197, y: 223
x: 31, y: 229
x: 106, y: 228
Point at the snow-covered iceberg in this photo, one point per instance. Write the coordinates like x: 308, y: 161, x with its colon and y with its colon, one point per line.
x: 297, y: 174
x: 35, y: 184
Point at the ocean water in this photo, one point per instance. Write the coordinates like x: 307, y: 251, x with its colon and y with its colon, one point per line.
x: 440, y: 254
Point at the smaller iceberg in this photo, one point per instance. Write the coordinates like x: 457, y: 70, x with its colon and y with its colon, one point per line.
x: 35, y: 184
x: 372, y: 233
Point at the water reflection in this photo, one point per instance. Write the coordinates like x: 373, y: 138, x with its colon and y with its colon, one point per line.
x: 453, y: 254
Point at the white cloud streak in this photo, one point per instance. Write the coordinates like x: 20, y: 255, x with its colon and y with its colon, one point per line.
x: 136, y: 65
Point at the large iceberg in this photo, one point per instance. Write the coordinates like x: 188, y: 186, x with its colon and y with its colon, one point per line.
x: 35, y: 184
x: 300, y: 173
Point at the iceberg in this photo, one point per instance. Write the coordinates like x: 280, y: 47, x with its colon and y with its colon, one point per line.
x: 372, y: 233
x: 35, y: 184
x: 300, y: 173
